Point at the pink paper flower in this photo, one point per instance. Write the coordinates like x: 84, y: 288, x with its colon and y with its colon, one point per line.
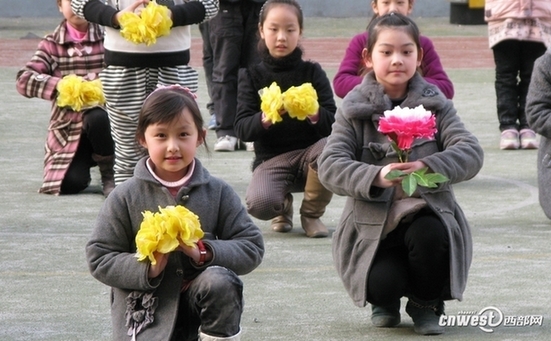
x: 404, y: 125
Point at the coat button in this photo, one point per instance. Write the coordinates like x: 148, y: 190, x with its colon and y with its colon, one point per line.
x: 180, y: 272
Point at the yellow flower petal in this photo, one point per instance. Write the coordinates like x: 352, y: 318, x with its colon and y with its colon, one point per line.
x: 301, y: 101
x: 153, y: 22
x: 162, y: 231
x: 271, y: 102
x: 77, y: 93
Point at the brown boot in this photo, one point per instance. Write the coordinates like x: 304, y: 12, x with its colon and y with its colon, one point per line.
x: 105, y: 164
x: 284, y: 222
x: 316, y: 198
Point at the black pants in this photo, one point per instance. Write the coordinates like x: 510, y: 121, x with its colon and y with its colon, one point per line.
x: 95, y: 139
x: 413, y: 259
x: 514, y: 61
x: 233, y: 39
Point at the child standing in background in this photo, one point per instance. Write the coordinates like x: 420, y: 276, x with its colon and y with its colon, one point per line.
x: 193, y: 291
x: 77, y: 140
x: 286, y: 152
x: 134, y: 70
x: 388, y: 244
x: 516, y: 31
x: 352, y: 69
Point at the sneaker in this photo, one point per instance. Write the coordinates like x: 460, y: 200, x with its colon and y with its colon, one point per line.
x: 528, y: 139
x: 225, y: 144
x: 249, y: 146
x: 212, y: 122
x: 509, y: 139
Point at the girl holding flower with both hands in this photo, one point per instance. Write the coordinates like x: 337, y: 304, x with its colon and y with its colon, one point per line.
x: 174, y: 273
x: 390, y: 244
x: 79, y: 131
x: 286, y: 106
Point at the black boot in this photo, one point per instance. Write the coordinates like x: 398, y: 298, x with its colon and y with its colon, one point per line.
x: 387, y: 316
x: 425, y: 315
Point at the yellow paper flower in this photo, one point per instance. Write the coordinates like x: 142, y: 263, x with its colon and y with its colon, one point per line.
x: 153, y: 22
x: 162, y: 231
x: 77, y: 93
x: 271, y: 102
x: 301, y: 101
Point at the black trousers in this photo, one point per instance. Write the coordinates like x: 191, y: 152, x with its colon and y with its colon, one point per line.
x: 412, y: 259
x: 514, y: 61
x: 95, y: 139
x: 233, y: 36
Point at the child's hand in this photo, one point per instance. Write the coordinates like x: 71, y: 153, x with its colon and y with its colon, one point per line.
x: 132, y: 8
x: 407, y: 167
x: 162, y: 260
x: 193, y: 252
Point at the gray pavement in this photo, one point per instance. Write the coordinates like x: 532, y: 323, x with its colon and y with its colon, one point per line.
x: 47, y: 293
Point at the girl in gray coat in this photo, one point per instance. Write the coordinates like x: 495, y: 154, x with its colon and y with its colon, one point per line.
x: 387, y: 244
x: 192, y: 292
x: 538, y: 113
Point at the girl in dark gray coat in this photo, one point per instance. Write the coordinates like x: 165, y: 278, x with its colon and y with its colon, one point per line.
x: 538, y: 113
x: 389, y: 245
x: 192, y: 292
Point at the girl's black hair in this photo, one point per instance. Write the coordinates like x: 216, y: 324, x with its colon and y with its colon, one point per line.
x: 166, y: 104
x: 392, y: 20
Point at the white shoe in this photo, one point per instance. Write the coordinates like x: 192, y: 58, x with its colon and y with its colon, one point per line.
x: 249, y: 146
x: 225, y: 144
x: 509, y: 139
x: 528, y: 139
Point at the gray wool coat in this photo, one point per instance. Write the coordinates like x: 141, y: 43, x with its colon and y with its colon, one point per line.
x: 356, y: 152
x: 538, y: 114
x: 236, y: 242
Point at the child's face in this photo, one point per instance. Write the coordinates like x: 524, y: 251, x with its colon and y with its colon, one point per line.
x: 77, y: 22
x: 394, y: 60
x: 382, y: 7
x: 172, y: 146
x: 281, y: 30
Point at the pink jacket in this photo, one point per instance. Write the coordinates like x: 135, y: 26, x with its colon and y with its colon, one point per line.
x: 518, y: 19
x: 57, y: 55
x: 517, y: 9
x: 349, y: 73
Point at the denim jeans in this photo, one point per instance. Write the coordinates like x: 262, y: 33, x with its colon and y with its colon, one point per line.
x: 213, y: 302
x: 514, y: 60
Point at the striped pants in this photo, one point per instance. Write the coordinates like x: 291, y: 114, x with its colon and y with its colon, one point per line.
x: 125, y: 90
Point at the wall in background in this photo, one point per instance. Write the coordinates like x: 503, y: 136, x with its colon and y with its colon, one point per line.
x: 311, y: 8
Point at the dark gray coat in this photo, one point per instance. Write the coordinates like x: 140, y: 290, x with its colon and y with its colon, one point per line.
x: 356, y: 152
x: 538, y: 114
x: 236, y: 242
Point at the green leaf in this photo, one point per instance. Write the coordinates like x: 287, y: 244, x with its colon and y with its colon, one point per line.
x: 436, y: 178
x: 395, y: 174
x: 409, y: 184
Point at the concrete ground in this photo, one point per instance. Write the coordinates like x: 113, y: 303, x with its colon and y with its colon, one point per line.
x: 47, y: 292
